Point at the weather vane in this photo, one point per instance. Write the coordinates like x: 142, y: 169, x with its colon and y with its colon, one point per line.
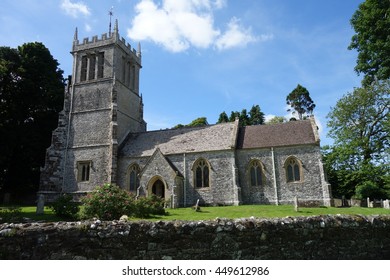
x: 110, y: 13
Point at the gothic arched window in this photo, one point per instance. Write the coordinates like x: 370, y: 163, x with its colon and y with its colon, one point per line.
x: 133, y: 178
x: 293, y: 170
x: 256, y: 173
x: 202, y: 174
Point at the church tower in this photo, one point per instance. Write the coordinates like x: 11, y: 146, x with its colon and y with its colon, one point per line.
x: 102, y: 105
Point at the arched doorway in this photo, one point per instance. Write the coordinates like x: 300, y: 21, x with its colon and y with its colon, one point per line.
x: 158, y: 188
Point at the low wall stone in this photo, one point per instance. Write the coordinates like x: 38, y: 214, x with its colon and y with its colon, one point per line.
x: 300, y: 238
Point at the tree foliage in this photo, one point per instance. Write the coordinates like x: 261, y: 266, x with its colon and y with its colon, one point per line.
x: 371, y: 23
x: 31, y: 95
x: 223, y: 118
x: 359, y: 124
x: 202, y: 121
x: 300, y: 102
x: 276, y: 119
x: 254, y: 117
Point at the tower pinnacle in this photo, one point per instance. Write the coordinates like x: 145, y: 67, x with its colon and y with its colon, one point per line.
x: 139, y: 50
x: 116, y: 27
x: 110, y: 13
x: 75, y: 38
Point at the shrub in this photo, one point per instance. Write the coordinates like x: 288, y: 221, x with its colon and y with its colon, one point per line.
x: 151, y: 205
x: 369, y: 189
x: 10, y: 215
x: 64, y: 207
x: 108, y: 202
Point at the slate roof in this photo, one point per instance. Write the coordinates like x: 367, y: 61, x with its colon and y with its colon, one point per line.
x: 184, y: 140
x: 277, y: 135
x: 219, y: 137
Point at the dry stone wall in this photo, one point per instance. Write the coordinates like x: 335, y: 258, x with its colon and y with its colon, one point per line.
x: 320, y: 237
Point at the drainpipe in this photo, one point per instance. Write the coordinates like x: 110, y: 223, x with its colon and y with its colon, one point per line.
x: 185, y: 181
x: 71, y: 92
x: 274, y: 176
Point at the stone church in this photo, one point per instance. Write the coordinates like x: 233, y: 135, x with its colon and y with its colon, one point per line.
x: 102, y: 138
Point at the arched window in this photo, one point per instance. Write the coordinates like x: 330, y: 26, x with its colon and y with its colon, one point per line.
x: 293, y: 170
x: 133, y: 177
x: 201, y: 174
x: 256, y: 173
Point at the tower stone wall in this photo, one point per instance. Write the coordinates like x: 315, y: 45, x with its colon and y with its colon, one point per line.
x: 102, y: 105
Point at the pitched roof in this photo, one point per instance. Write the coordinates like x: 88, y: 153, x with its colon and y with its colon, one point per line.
x: 182, y: 140
x: 277, y: 135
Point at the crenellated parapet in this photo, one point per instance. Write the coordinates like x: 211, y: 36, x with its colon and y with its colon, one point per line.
x: 106, y: 39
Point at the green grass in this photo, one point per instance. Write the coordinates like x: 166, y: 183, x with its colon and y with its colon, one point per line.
x: 262, y: 211
x: 230, y: 212
x: 29, y: 212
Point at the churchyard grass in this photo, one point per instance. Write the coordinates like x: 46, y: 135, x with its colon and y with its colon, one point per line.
x: 263, y: 211
x: 26, y: 214
x: 229, y: 212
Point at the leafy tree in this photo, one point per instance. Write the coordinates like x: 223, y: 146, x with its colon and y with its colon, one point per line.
x: 223, y: 118
x: 371, y: 23
x: 359, y: 123
x: 31, y: 95
x: 276, y: 119
x: 202, y: 121
x: 301, y: 103
x: 256, y: 116
x: 345, y: 174
x: 372, y: 190
x: 360, y: 120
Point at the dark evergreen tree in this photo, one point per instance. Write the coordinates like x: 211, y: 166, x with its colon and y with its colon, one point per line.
x: 244, y: 118
x: 223, y: 118
x: 31, y: 95
x: 300, y: 102
x: 256, y: 116
x: 234, y: 115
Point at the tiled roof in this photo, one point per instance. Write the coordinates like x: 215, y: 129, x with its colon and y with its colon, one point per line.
x: 277, y: 135
x: 183, y: 140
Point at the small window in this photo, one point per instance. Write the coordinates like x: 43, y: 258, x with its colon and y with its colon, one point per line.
x: 83, y: 171
x: 133, y: 178
x: 202, y: 173
x: 84, y: 68
x: 256, y: 173
x: 293, y: 170
x: 100, y: 70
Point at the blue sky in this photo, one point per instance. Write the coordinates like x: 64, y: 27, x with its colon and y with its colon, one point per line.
x: 203, y: 57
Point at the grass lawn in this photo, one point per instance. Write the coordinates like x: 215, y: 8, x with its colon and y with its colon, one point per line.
x: 231, y: 212
x: 263, y: 211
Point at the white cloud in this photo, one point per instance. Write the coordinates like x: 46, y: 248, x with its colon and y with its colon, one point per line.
x: 237, y: 35
x: 179, y: 24
x: 269, y: 117
x: 75, y: 9
x: 88, y: 27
